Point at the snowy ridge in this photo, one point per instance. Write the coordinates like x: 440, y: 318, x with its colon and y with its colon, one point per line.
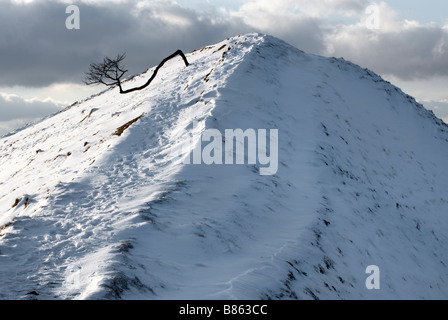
x: 90, y: 212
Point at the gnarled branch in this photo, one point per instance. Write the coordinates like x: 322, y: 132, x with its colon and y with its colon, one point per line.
x: 110, y: 72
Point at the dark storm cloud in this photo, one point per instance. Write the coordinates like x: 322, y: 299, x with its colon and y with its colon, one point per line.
x: 38, y: 50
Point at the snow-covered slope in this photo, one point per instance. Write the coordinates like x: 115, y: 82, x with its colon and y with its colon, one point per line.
x: 94, y: 203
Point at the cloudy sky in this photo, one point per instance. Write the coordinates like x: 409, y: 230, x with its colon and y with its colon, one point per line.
x: 42, y: 62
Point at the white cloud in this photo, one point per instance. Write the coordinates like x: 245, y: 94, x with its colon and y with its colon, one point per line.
x: 286, y: 19
x: 403, y: 48
x: 309, y: 8
x: 22, y: 1
x: 16, y: 111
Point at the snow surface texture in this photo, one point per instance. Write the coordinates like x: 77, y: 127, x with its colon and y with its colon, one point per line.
x: 90, y: 209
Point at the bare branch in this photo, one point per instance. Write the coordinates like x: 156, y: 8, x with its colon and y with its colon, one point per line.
x: 109, y: 69
x: 110, y: 72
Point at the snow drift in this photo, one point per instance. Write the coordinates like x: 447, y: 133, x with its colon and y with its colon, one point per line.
x: 94, y: 204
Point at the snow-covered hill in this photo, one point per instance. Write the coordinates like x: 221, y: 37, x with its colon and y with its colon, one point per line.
x: 94, y: 203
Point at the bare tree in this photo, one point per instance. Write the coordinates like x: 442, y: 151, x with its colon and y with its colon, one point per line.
x: 110, y: 72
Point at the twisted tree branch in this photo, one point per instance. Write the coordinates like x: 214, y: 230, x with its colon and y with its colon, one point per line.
x: 111, y: 70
